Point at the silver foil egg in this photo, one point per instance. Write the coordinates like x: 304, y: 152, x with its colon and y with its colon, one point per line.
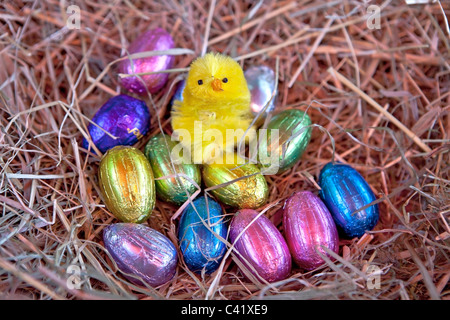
x: 261, y: 83
x: 141, y: 253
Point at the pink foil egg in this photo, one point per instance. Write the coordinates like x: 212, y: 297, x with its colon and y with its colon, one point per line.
x: 308, y: 225
x: 152, y: 40
x: 261, y: 246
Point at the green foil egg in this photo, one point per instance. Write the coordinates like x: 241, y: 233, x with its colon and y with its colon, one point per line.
x: 127, y: 184
x: 244, y: 185
x: 165, y: 163
x: 294, y: 134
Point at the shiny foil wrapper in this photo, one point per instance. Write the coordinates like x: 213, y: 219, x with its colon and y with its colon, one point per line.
x: 124, y: 117
x: 152, y: 40
x: 261, y: 247
x: 142, y: 253
x: 245, y: 187
x: 308, y: 226
x: 293, y: 138
x: 345, y: 192
x: 201, y: 233
x: 127, y: 184
x: 261, y: 83
x: 175, y: 189
x: 178, y: 94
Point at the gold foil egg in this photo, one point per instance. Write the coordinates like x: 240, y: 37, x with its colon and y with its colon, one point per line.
x: 170, y: 165
x: 127, y: 184
x: 243, y: 187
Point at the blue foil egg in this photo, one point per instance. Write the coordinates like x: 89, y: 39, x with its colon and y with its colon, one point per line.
x: 202, y: 225
x: 124, y: 117
x: 178, y: 94
x: 345, y: 192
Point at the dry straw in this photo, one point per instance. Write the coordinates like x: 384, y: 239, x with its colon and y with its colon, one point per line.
x: 383, y: 107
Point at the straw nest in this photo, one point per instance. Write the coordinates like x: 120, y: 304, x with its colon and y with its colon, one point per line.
x: 377, y: 93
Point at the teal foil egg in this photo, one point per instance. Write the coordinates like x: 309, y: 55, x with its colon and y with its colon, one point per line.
x: 182, y: 175
x: 277, y: 155
x: 345, y: 192
x: 202, y: 231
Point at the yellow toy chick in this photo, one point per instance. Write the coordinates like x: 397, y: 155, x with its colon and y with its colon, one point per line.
x: 215, y: 111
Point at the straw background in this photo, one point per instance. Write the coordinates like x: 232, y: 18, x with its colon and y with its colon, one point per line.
x: 353, y: 80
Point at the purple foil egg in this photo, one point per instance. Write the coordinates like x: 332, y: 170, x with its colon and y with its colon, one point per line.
x: 124, y: 117
x: 261, y: 246
x: 308, y: 225
x: 142, y: 252
x: 152, y: 40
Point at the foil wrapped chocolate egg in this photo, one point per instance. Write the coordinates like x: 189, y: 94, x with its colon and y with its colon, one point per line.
x: 178, y: 94
x: 261, y: 83
x: 202, y: 233
x: 151, y: 40
x: 243, y: 187
x: 308, y: 226
x: 260, y: 246
x: 142, y: 253
x: 345, y: 193
x: 127, y: 184
x: 165, y: 163
x: 282, y: 145
x: 124, y: 117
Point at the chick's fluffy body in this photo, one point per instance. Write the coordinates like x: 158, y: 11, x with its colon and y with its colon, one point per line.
x: 217, y: 97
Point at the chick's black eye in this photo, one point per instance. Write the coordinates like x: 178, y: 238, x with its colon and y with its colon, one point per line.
x: 200, y: 82
x: 224, y: 80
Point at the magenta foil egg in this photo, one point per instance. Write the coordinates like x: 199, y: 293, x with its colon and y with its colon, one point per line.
x: 261, y: 246
x: 142, y: 252
x: 308, y: 225
x: 152, y: 40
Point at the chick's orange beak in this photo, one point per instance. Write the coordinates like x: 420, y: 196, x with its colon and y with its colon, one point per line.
x: 216, y: 84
